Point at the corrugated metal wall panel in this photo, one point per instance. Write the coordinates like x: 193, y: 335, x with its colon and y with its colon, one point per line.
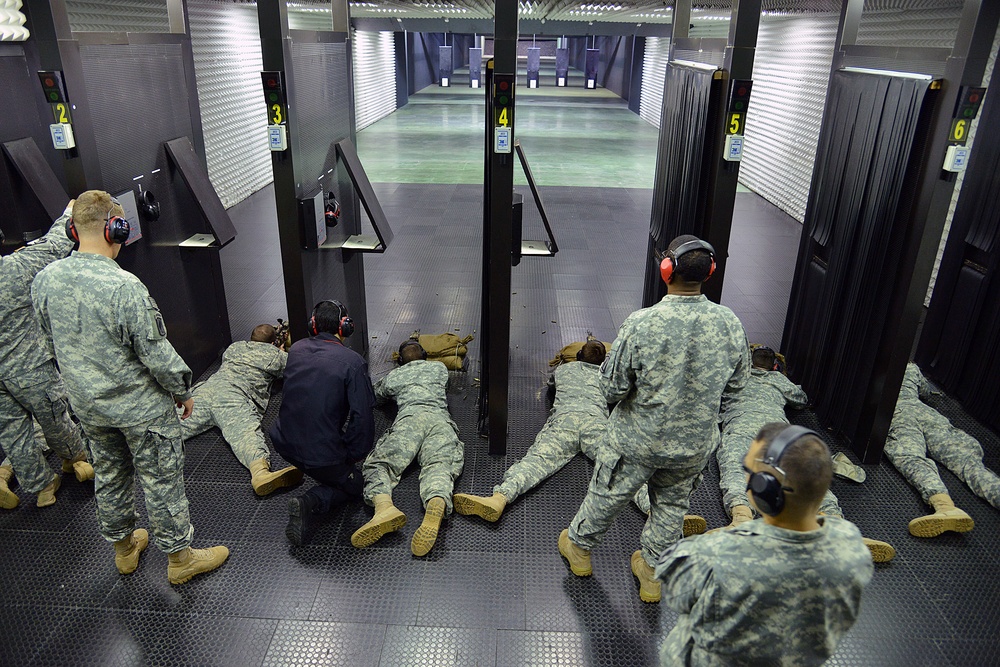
x: 226, y: 43
x: 654, y: 71
x: 987, y: 78
x: 791, y: 72
x: 374, y: 76
x: 118, y: 16
x: 925, y: 23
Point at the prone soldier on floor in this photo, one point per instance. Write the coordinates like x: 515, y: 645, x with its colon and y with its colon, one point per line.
x: 423, y: 430
x: 234, y: 399
x: 919, y: 433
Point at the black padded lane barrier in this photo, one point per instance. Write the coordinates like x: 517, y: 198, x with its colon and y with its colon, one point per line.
x: 852, y: 242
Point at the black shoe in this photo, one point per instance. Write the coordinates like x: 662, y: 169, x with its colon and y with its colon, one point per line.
x: 299, y: 528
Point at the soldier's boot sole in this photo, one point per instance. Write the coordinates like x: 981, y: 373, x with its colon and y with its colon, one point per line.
x: 47, y: 496
x: 845, y: 469
x: 933, y: 525
x: 694, y: 525
x: 195, y: 562
x: 83, y: 471
x: 577, y: 557
x: 476, y: 506
x: 129, y: 561
x: 267, y: 483
x: 388, y: 521
x: 649, y: 587
x: 299, y: 526
x: 426, y: 533
x: 882, y: 552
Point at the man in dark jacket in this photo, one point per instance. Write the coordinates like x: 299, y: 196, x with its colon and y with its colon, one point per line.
x: 325, y: 424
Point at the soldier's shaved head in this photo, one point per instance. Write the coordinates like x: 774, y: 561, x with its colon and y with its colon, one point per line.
x: 263, y: 333
x: 593, y: 352
x: 806, y: 462
x: 91, y: 210
x: 693, y: 266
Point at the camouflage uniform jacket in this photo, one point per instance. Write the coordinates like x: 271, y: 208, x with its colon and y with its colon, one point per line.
x: 763, y: 595
x: 910, y: 408
x: 669, y: 369
x: 23, y: 347
x: 248, y: 369
x: 578, y: 390
x: 110, y: 341
x: 418, y: 387
x: 763, y: 401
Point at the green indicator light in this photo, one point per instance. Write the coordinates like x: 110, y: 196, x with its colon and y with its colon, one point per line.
x: 273, y: 97
x: 738, y: 106
x: 502, y: 99
x: 969, y: 113
x: 54, y: 96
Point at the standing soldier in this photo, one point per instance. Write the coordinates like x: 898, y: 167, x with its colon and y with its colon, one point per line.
x: 422, y: 430
x: 668, y: 370
x: 123, y: 378
x: 30, y: 385
x: 234, y: 400
x: 919, y: 432
x: 763, y: 401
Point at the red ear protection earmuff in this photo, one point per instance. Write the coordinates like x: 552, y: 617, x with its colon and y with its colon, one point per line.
x: 332, y: 211
x: 346, y: 326
x: 116, y: 228
x: 669, y: 263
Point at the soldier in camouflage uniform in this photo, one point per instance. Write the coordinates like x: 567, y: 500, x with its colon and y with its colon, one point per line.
x: 234, y: 400
x: 670, y: 368
x: 918, y: 432
x: 424, y: 430
x: 30, y: 385
x: 762, y: 401
x: 123, y: 378
x: 576, y: 424
x: 782, y: 590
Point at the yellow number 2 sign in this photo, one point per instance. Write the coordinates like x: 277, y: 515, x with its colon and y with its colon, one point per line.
x: 61, y: 112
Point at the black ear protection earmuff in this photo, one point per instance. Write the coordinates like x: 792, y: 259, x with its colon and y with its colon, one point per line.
x: 150, y: 207
x: 407, y: 343
x: 768, y: 492
x: 116, y: 228
x: 669, y: 263
x: 346, y: 326
x: 332, y: 211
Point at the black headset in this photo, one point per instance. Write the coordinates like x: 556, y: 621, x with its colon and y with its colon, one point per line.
x: 346, y: 326
x: 768, y: 492
x: 407, y: 343
x: 116, y: 228
x: 331, y: 210
x: 669, y: 263
x: 150, y: 207
x: 774, y: 366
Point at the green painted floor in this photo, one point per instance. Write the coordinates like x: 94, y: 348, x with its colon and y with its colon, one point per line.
x: 570, y: 136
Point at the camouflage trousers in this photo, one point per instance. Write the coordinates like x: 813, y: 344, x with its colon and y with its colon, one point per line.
x: 562, y: 437
x: 909, y: 446
x: 39, y: 393
x: 153, y: 450
x: 614, y: 482
x: 239, y: 421
x: 733, y: 479
x: 432, y: 440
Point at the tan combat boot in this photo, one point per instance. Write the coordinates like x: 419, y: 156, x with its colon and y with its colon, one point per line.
x: 79, y: 466
x: 489, y: 508
x: 845, y: 469
x: 426, y: 533
x: 265, y: 482
x: 694, y: 525
x: 47, y: 496
x: 188, y: 562
x: 741, y: 514
x: 387, y: 519
x: 128, y: 550
x: 649, y: 586
x: 578, y: 557
x: 946, y: 517
x: 8, y: 499
x: 882, y: 552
